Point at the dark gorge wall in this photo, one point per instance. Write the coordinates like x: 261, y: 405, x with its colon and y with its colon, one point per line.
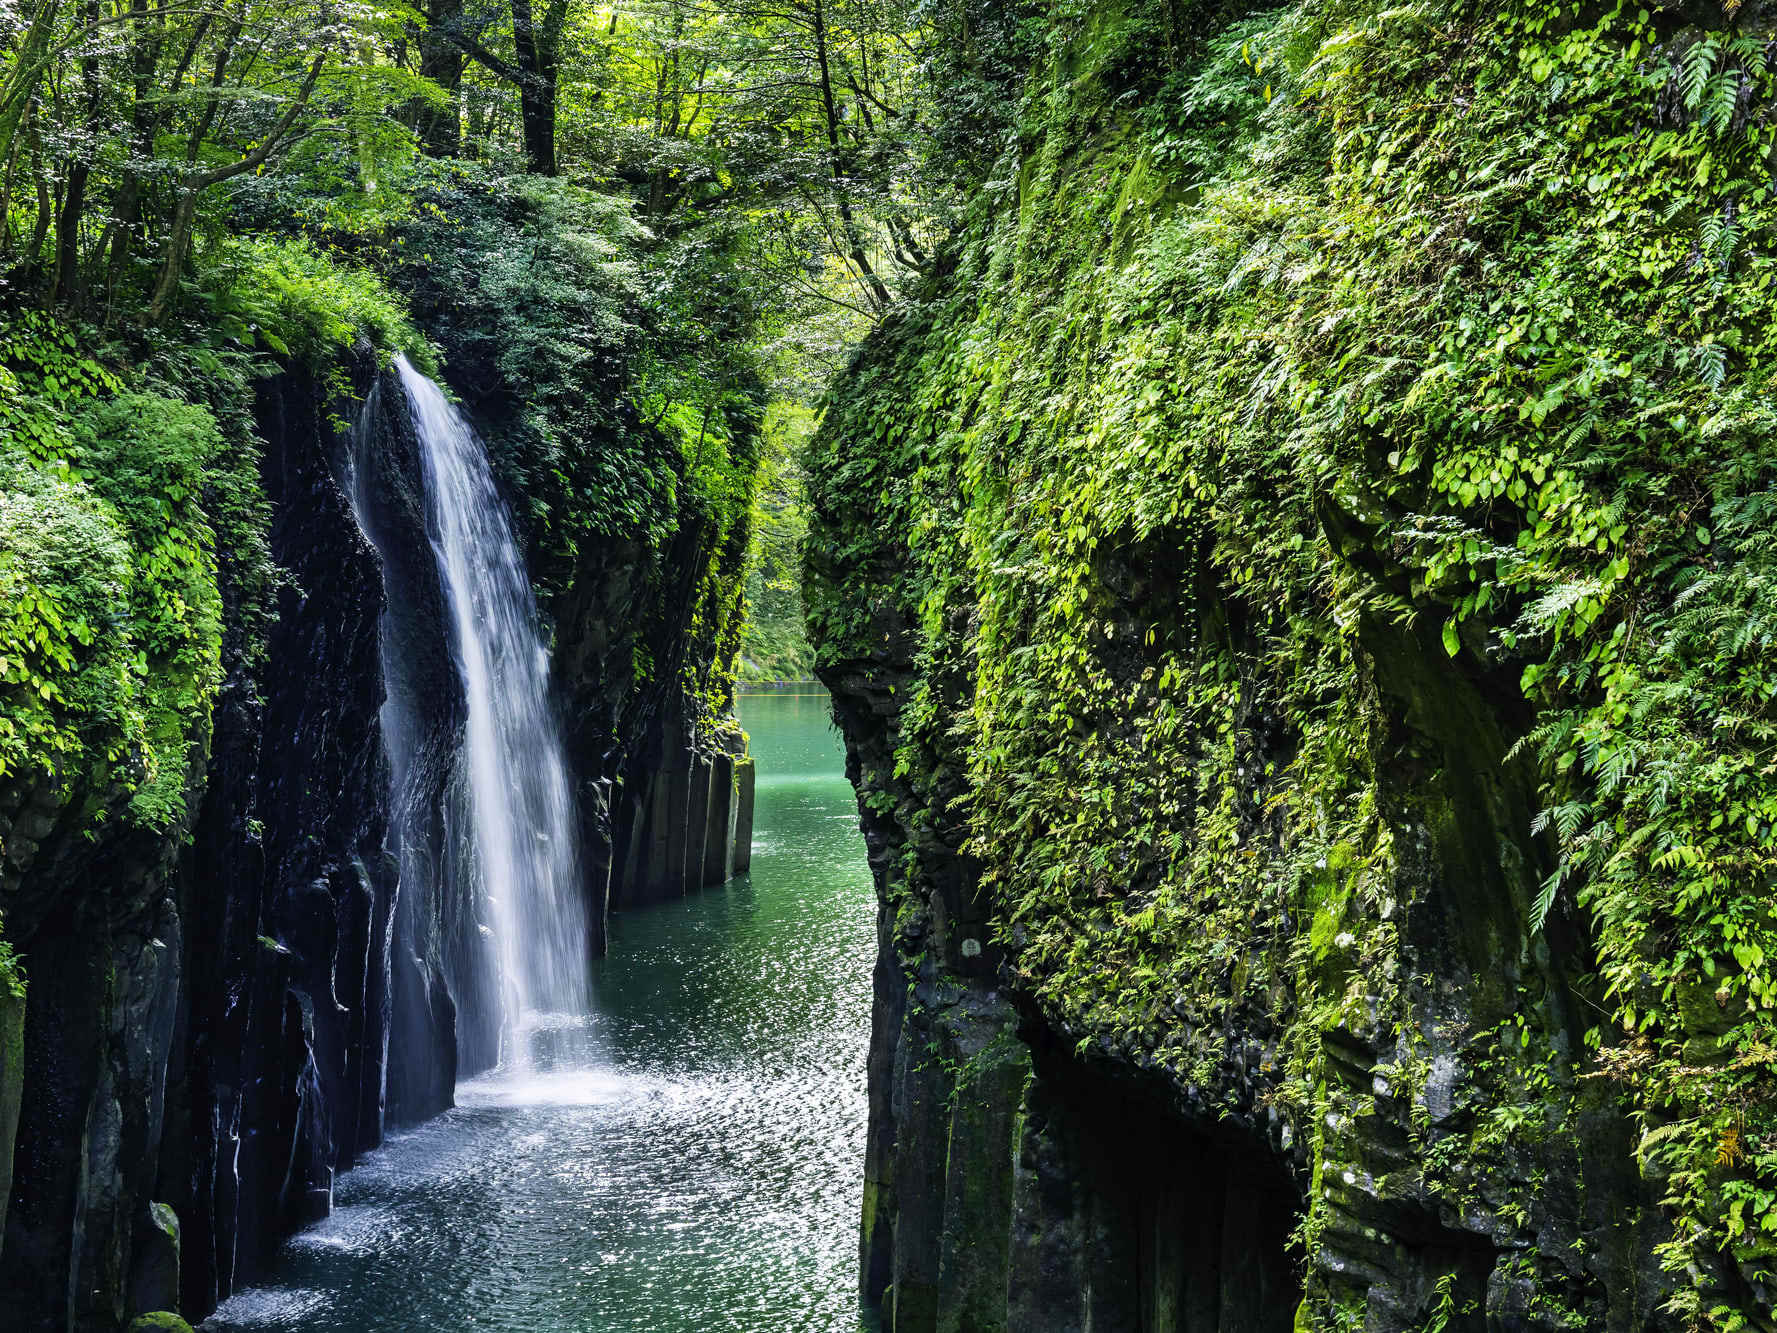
x: 1309, y: 891
x: 645, y: 637
x: 208, y: 1004
x: 290, y: 893
x: 1016, y: 1178
x: 1029, y: 1170
x: 225, y: 1014
x: 89, y: 1069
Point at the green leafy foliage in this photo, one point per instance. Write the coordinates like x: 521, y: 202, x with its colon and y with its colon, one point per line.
x: 287, y: 296
x: 775, y: 645
x: 1378, y: 326
x: 609, y: 389
x: 127, y: 494
x: 111, y: 635
x: 12, y: 969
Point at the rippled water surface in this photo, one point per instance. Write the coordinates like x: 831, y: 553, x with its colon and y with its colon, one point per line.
x: 695, y: 1163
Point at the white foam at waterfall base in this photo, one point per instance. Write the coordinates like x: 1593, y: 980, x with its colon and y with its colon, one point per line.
x: 522, y: 802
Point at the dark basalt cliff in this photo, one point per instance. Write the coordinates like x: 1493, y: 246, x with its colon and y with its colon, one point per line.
x: 225, y: 1015
x: 1309, y: 888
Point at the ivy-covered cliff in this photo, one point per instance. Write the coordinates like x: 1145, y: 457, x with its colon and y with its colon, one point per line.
x: 232, y: 948
x: 1298, y: 587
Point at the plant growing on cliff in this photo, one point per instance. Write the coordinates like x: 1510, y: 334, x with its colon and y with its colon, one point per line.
x: 111, y: 632
x: 12, y: 967
x: 290, y: 298
x: 1426, y: 354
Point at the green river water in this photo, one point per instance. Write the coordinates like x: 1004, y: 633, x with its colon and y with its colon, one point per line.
x: 697, y: 1165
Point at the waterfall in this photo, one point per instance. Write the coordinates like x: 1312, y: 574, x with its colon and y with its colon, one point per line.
x: 522, y: 811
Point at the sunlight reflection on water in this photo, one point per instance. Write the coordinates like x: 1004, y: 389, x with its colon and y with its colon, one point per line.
x: 691, y: 1158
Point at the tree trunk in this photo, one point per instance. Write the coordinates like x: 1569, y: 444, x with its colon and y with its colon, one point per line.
x: 12, y: 159
x: 66, y: 287
x: 45, y: 209
x: 178, y: 241
x: 67, y: 270
x: 118, y: 242
x: 536, y: 107
x: 124, y: 220
x: 854, y: 236
x: 537, y: 59
x: 441, y: 60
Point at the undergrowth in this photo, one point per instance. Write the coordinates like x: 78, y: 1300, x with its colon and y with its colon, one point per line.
x: 1352, y: 344
x: 127, y: 474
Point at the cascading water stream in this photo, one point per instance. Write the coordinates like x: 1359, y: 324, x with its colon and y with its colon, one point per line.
x: 522, y: 811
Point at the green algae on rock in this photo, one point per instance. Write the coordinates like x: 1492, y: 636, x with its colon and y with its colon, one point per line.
x: 159, y: 1321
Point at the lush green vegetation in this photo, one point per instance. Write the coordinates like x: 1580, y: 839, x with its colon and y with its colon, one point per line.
x: 120, y: 493
x: 618, y: 228
x: 774, y: 645
x: 1267, y: 358
x: 1270, y: 348
x: 571, y: 199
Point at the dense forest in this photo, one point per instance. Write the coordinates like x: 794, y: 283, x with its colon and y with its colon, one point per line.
x: 721, y: 200
x: 1283, y: 499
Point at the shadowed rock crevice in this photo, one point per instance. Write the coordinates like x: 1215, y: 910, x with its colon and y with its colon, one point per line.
x: 1127, y: 1216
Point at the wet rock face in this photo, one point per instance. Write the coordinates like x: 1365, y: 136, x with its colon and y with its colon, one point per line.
x: 445, y: 1009
x: 208, y: 1038
x: 290, y: 890
x: 665, y: 810
x: 83, y: 1064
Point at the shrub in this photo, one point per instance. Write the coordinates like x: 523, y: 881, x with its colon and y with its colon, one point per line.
x: 285, y: 294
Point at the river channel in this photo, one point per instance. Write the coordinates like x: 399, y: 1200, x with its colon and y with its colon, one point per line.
x: 691, y: 1160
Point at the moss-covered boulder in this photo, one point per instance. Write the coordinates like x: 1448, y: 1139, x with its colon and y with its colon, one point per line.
x: 160, y: 1321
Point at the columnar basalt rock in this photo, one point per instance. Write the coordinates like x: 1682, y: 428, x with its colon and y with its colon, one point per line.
x: 1011, y: 1183
x: 682, y: 829
x: 288, y: 890
x: 225, y: 1015
x: 99, y: 924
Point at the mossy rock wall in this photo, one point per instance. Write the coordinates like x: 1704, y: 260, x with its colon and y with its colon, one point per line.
x: 1293, y: 585
x: 234, y: 993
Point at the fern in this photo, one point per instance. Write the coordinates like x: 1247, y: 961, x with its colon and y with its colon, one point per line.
x: 1720, y: 96
x: 1712, y: 365
x: 1545, y: 901
x: 1698, y: 65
